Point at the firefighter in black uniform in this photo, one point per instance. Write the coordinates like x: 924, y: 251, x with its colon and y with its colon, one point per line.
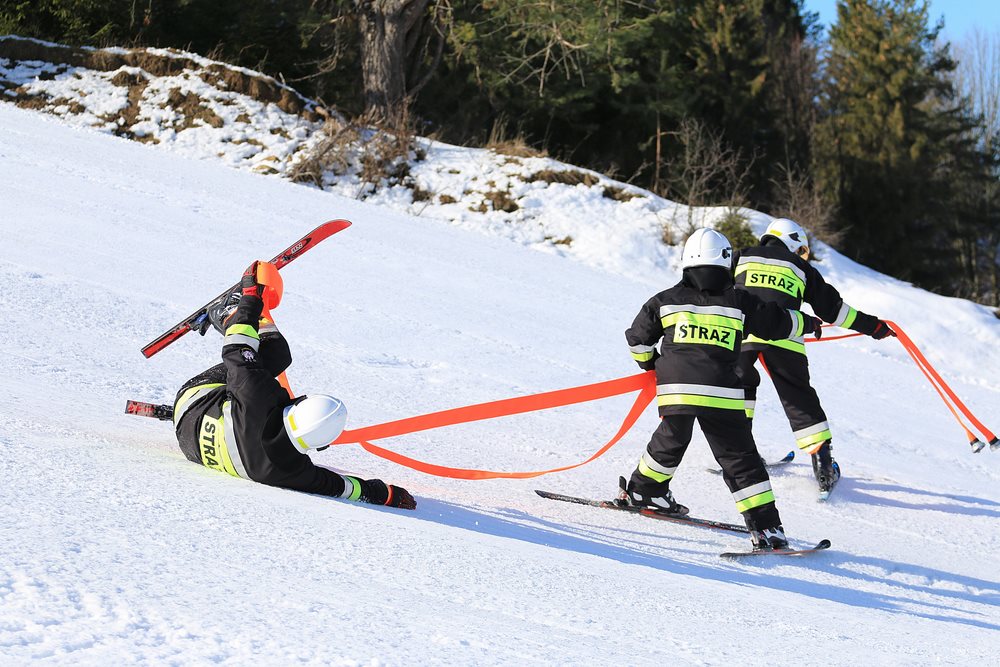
x: 777, y: 271
x: 701, y: 322
x: 235, y: 417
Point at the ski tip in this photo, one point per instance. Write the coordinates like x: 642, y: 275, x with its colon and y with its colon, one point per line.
x: 823, y: 544
x: 789, y: 456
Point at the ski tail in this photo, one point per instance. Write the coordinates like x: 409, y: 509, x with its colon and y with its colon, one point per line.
x: 283, y: 258
x: 646, y: 512
x: 143, y: 409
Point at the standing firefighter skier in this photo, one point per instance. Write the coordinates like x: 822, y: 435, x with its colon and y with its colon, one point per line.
x: 777, y: 271
x: 701, y: 321
x: 237, y: 418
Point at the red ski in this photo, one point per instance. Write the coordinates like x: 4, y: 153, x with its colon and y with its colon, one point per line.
x: 142, y: 409
x: 287, y: 255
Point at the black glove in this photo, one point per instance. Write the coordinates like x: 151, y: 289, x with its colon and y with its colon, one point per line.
x: 249, y: 284
x: 812, y: 325
x: 881, y: 331
x: 377, y: 492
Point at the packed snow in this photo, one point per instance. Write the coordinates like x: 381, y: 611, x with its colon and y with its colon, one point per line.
x: 116, y: 550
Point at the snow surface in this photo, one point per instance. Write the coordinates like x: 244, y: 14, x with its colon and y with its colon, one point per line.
x: 116, y: 550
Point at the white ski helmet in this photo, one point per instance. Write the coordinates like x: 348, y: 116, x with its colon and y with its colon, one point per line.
x: 315, y: 421
x: 790, y: 233
x: 707, y: 247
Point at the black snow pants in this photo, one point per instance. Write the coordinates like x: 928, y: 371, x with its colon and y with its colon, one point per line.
x: 729, y: 436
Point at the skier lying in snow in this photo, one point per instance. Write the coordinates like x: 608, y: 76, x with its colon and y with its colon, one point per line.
x: 701, y: 321
x: 778, y: 271
x: 235, y: 417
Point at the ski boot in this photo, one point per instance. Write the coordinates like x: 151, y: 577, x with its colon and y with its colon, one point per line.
x: 826, y: 469
x: 768, y: 539
x: 660, y: 499
x: 218, y: 313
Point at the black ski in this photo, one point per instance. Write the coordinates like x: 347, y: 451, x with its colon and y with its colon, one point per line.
x: 824, y: 544
x: 787, y: 458
x: 651, y: 514
x: 195, y: 319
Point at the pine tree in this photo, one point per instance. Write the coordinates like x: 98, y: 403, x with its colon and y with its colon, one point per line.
x: 889, y: 136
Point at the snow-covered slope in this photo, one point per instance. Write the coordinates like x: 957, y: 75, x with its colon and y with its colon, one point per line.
x: 115, y: 550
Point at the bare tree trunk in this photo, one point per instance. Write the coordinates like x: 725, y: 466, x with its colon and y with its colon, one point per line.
x: 385, y: 26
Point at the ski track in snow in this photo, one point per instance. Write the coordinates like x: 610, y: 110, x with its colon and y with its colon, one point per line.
x: 116, y: 550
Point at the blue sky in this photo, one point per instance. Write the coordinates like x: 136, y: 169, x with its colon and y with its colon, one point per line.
x: 959, y: 15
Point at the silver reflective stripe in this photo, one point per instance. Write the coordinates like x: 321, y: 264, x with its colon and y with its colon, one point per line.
x: 700, y: 389
x: 750, y: 405
x: 795, y: 323
x: 774, y: 262
x: 240, y: 339
x: 267, y: 328
x: 348, y: 486
x: 231, y: 445
x: 642, y: 349
x: 845, y: 310
x: 751, y: 491
x: 724, y: 311
x: 179, y: 413
x: 810, y: 430
x: 653, y: 465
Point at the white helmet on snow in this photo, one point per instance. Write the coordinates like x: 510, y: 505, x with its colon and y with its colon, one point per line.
x: 316, y: 421
x: 790, y: 233
x: 707, y: 247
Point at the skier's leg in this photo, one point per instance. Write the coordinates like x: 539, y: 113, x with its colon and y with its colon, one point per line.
x: 650, y: 482
x: 790, y: 373
x: 274, y: 353
x: 747, y: 370
x: 732, y: 444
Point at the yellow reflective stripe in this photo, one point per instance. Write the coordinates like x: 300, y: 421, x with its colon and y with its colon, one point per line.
x: 183, y: 403
x: 767, y: 276
x: 704, y: 329
x: 809, y: 440
x: 646, y: 471
x: 242, y: 329
x: 701, y: 401
x: 212, y: 445
x: 849, y: 320
x: 755, y: 501
x: 242, y: 334
x: 793, y: 345
x: 642, y: 356
x: 355, y: 488
x: 800, y: 324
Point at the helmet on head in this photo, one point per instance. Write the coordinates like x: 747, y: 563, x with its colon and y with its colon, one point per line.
x: 707, y: 247
x: 790, y: 233
x: 315, y: 421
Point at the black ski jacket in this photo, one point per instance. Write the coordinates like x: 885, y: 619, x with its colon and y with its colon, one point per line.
x: 230, y: 417
x: 775, y: 274
x: 701, y: 334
